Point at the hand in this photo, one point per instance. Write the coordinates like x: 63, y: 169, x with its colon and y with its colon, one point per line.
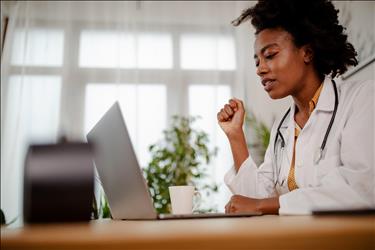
x: 239, y: 203
x: 231, y: 117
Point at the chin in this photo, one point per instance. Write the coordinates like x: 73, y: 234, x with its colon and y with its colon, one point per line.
x: 275, y: 95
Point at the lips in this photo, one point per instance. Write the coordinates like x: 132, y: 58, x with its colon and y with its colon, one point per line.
x: 268, y: 83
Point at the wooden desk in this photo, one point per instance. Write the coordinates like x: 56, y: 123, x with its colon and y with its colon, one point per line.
x: 264, y: 232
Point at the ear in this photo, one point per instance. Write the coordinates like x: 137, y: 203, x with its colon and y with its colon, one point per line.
x: 307, y: 53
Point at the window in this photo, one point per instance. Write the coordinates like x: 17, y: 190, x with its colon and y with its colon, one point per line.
x: 178, y: 71
x: 39, y: 51
x: 212, y: 52
x: 113, y: 49
x: 38, y: 98
x: 143, y: 107
x: 155, y: 51
x: 38, y: 47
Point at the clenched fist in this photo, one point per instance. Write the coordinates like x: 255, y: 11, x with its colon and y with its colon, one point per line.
x: 231, y: 117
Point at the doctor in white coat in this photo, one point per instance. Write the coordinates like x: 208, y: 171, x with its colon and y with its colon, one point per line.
x: 321, y: 151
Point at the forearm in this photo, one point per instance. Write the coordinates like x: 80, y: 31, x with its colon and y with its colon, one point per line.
x: 239, y: 149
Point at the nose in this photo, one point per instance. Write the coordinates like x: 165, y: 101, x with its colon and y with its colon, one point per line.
x: 262, y: 68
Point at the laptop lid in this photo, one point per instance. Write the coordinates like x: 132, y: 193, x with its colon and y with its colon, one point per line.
x: 118, y: 168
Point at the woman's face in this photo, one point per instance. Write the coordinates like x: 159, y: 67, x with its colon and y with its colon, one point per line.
x: 280, y: 64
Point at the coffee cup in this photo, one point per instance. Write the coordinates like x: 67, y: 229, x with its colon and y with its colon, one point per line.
x: 182, y: 199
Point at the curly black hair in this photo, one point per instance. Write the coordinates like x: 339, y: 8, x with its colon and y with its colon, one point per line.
x: 312, y: 22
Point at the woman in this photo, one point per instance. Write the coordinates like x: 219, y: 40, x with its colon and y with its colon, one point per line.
x: 321, y: 151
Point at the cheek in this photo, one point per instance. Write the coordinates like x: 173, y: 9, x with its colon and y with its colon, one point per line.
x: 285, y: 64
x: 288, y: 70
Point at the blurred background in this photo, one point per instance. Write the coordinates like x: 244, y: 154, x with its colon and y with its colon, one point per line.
x: 64, y: 63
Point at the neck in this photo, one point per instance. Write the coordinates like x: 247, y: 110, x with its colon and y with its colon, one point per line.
x: 305, y: 94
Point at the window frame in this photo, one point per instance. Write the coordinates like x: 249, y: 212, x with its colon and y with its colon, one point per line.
x: 74, y: 82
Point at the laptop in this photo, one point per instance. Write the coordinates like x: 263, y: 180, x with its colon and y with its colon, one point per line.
x: 121, y: 176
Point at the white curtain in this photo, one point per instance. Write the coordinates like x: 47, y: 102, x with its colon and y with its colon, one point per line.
x: 64, y: 63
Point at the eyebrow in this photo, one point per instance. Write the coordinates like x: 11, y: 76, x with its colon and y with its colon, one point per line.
x: 264, y: 48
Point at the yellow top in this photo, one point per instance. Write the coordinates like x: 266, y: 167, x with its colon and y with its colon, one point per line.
x: 312, y: 104
x: 314, y: 100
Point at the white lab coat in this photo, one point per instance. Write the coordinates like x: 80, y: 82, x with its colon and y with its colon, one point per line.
x: 344, y: 177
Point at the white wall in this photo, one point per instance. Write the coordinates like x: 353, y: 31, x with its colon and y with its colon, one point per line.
x: 359, y: 19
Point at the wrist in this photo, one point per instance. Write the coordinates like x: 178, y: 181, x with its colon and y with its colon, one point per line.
x: 236, y: 135
x: 268, y: 205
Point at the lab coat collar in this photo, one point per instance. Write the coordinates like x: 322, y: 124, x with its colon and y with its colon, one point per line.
x: 326, y: 101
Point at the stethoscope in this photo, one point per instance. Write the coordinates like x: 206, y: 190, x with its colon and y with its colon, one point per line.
x: 319, y: 154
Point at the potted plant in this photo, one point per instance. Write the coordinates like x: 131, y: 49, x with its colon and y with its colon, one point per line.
x: 178, y: 160
x: 261, y: 136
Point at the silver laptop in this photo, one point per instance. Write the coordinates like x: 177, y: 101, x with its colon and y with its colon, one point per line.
x: 121, y: 176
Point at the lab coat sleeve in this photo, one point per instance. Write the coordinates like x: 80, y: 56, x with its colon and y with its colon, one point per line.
x: 351, y: 184
x: 251, y: 180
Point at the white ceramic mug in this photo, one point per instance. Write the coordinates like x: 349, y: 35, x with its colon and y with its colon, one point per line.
x: 182, y: 199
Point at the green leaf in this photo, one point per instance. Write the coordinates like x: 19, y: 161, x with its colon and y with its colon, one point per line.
x: 178, y: 159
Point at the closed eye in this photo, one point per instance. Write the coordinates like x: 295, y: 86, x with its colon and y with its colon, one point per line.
x: 270, y: 56
x: 267, y: 57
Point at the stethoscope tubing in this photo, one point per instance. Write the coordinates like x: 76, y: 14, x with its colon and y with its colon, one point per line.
x: 324, y: 142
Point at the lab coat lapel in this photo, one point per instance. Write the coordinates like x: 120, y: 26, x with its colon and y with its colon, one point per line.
x: 325, y: 104
x: 287, y: 130
x: 326, y: 100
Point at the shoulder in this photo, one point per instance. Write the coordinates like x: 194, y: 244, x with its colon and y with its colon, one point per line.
x: 357, y: 100
x: 353, y: 87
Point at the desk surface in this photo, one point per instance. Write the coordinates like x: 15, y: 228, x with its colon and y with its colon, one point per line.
x: 263, y: 232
